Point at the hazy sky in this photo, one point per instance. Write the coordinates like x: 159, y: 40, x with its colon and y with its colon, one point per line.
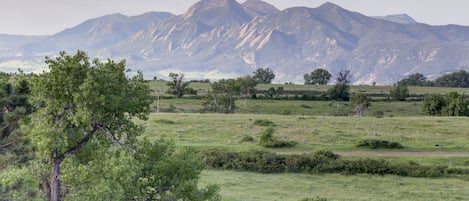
x: 42, y: 17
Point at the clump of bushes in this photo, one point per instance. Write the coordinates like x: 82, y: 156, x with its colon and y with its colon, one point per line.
x: 376, y: 144
x: 263, y: 123
x: 268, y: 140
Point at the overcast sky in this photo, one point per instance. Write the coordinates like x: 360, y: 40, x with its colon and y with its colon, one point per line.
x: 43, y: 17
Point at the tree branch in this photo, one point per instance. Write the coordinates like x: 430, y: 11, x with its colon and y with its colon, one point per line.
x: 82, y: 143
x: 112, y: 135
x: 6, y: 145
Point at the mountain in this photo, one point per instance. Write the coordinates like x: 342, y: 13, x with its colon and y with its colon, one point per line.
x: 259, y: 8
x: 398, y: 18
x: 222, y: 38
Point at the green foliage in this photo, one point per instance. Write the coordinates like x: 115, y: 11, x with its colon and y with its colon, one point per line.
x: 319, y: 76
x: 340, y: 91
x: 84, y: 103
x: 264, y: 75
x: 222, y: 97
x: 326, y: 162
x: 274, y: 93
x: 247, y: 138
x: 415, y: 79
x: 452, y: 104
x: 360, y: 103
x: 264, y: 123
x: 151, y: 171
x: 376, y: 144
x: 268, y: 140
x: 456, y: 105
x: 177, y: 87
x: 19, y: 183
x: 399, y: 92
x: 459, y: 79
x: 433, y: 104
x: 247, y: 84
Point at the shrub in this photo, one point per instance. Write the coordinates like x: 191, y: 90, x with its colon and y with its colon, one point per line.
x: 164, y: 121
x: 267, y: 140
x: 375, y: 144
x: 263, y: 122
x: 247, y: 138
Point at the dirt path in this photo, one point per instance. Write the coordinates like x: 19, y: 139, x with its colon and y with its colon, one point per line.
x: 381, y: 153
x: 436, y: 153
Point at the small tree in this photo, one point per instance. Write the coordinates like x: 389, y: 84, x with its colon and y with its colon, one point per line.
x: 264, y: 76
x: 222, y: 97
x: 344, y: 77
x: 399, y: 92
x: 319, y: 76
x: 360, y: 102
x: 177, y: 86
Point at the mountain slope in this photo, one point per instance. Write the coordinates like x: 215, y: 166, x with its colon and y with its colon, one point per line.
x: 223, y: 38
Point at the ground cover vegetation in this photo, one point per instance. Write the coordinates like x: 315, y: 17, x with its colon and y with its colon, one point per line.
x: 85, y: 118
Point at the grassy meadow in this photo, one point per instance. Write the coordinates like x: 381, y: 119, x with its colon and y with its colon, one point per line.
x: 319, y: 125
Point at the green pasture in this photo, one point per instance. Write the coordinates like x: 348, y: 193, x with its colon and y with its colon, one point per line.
x: 311, y: 132
x: 245, y: 186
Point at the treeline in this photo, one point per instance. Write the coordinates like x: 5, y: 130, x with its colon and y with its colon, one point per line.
x: 459, y: 79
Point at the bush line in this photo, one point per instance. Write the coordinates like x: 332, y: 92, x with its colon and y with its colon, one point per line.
x: 319, y: 162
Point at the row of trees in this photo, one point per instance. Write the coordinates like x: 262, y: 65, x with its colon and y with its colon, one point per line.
x: 459, y: 79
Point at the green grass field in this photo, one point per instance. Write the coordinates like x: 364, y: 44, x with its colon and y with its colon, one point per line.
x: 245, y: 186
x: 311, y: 132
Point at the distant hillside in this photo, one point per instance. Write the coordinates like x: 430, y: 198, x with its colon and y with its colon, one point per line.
x: 223, y: 38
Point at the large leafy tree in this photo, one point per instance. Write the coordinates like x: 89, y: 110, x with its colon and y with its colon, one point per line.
x: 319, y: 76
x: 85, y: 104
x: 264, y: 75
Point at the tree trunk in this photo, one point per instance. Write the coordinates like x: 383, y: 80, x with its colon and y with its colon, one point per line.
x: 54, y: 179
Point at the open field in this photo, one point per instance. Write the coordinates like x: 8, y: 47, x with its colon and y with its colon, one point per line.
x: 317, y: 125
x: 244, y: 186
x: 311, y: 132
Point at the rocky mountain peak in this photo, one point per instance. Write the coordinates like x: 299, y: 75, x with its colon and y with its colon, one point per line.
x: 398, y: 18
x: 217, y: 13
x: 259, y: 8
